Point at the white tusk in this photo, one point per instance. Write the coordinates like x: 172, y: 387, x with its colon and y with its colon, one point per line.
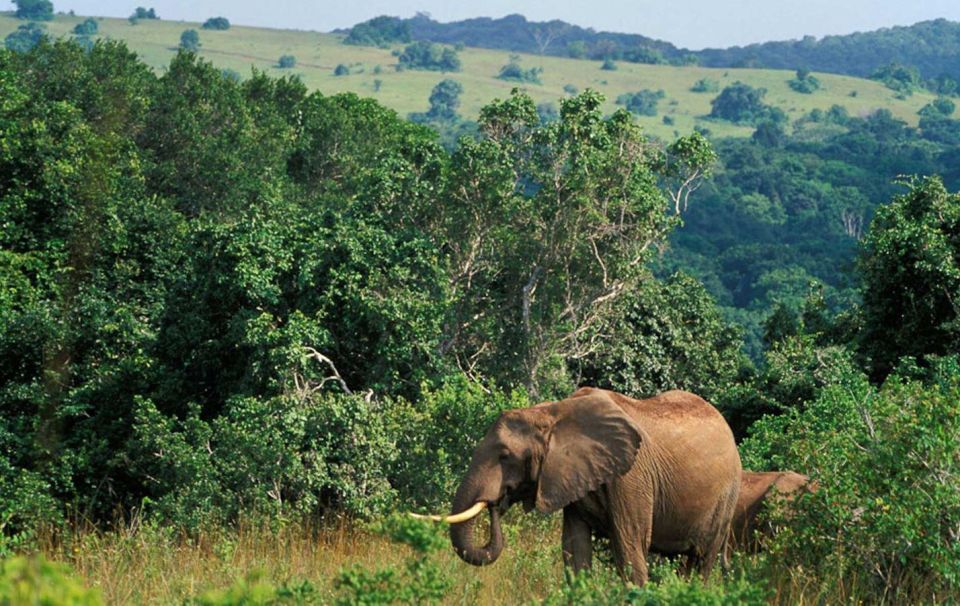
x: 456, y: 518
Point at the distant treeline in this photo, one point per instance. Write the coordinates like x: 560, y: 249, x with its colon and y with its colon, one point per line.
x: 929, y: 46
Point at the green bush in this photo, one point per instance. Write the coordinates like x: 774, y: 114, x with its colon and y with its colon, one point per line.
x: 643, y: 102
x: 254, y: 590
x: 438, y: 434
x: 190, y: 40
x: 217, y: 23
x: 287, y: 62
x: 88, y: 27
x: 34, y: 580
x: 887, y: 510
x: 428, y: 56
x: 420, y: 581
x: 278, y: 456
x: 602, y: 587
x: 705, y: 85
x: 804, y: 82
x: 512, y: 72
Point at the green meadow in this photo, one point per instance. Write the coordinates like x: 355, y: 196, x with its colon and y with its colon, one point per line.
x: 245, y: 48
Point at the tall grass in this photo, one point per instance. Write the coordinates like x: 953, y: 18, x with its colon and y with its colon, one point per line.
x: 138, y: 563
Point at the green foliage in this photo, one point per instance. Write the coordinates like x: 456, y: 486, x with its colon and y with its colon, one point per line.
x: 886, y: 506
x: 608, y: 65
x: 804, y: 82
x: 33, y: 580
x: 190, y: 40
x: 25, y: 37
x: 253, y: 589
x: 144, y: 13
x: 287, y: 62
x: 427, y: 56
x: 911, y: 270
x: 512, y: 72
x: 444, y: 103
x: 286, y: 455
x: 669, y: 335
x: 421, y: 581
x: 438, y: 433
x: 341, y: 70
x: 705, y: 85
x: 941, y: 107
x: 34, y: 10
x: 901, y: 78
x: 522, y: 255
x: 604, y: 588
x: 88, y: 27
x: 642, y: 103
x: 743, y: 104
x: 380, y: 31
x: 217, y: 23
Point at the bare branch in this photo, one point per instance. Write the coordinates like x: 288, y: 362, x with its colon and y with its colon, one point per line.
x: 313, y: 353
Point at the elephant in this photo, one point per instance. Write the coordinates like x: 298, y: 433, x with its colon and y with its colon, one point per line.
x: 659, y: 474
x: 757, y: 491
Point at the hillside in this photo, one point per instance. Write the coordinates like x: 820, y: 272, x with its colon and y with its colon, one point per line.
x: 243, y: 48
x: 929, y: 46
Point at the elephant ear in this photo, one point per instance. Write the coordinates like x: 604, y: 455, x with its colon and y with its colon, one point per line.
x: 592, y: 442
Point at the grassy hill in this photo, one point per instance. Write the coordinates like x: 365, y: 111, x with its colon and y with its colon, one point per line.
x: 243, y: 48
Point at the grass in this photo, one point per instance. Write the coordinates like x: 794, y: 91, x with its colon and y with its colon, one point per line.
x: 153, y: 565
x: 148, y: 564
x: 243, y: 48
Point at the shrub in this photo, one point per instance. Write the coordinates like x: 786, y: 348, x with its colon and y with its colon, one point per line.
x: 34, y: 580
x: 380, y: 31
x: 341, y: 70
x: 643, y: 103
x: 190, y: 40
x: 705, y: 85
x: 25, y: 37
x: 438, y: 435
x: 804, y: 82
x: 34, y: 10
x: 281, y: 455
x: 512, y: 72
x: 142, y: 13
x: 421, y: 581
x: 571, y: 90
x: 428, y: 56
x: 887, y: 510
x: 217, y: 23
x: 608, y: 65
x: 88, y: 27
x: 743, y: 104
x: 287, y: 62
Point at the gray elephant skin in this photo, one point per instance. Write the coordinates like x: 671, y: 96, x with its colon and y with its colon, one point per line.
x: 660, y: 474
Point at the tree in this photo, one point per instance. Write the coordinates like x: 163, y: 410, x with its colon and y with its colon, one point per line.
x: 445, y: 100
x: 428, y: 56
x: 512, y: 72
x: 341, y: 70
x: 804, y: 82
x: 142, y: 13
x: 190, y: 40
x: 34, y: 10
x: 548, y: 226
x: 911, y: 277
x: 380, y: 31
x: 643, y: 103
x: 287, y: 61
x: 25, y: 37
x: 217, y: 23
x: 88, y: 27
x: 743, y: 104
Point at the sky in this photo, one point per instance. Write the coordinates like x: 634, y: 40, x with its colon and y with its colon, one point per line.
x: 693, y: 24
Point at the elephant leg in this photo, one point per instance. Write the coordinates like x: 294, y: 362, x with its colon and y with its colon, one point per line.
x: 577, y: 541
x: 632, y: 532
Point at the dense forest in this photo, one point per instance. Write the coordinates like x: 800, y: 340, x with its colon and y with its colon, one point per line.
x: 223, y: 298
x: 930, y: 47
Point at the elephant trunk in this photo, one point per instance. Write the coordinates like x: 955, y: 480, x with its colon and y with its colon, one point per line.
x: 462, y: 537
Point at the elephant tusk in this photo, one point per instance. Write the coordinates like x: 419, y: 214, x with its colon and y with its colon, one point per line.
x: 456, y: 518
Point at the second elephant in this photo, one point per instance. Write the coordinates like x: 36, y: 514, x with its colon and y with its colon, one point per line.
x: 759, y: 490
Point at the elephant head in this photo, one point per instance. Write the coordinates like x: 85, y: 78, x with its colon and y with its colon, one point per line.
x: 546, y: 457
